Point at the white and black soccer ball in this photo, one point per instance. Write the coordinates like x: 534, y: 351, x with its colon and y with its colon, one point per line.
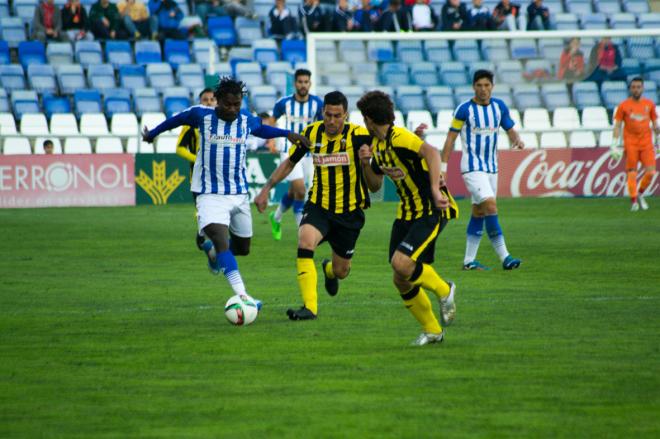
x: 241, y: 310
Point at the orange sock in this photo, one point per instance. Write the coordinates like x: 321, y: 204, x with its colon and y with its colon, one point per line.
x: 646, y: 180
x: 632, y: 185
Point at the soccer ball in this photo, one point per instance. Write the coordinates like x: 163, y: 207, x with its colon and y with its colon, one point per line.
x: 240, y: 310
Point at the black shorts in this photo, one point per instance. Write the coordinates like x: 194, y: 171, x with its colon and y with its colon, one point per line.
x: 416, y: 238
x: 341, y: 230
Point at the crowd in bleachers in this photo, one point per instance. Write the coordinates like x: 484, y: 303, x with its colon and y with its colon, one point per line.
x: 82, y: 77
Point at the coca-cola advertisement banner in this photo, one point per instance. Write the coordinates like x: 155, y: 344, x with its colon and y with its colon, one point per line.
x: 572, y: 172
x: 67, y: 180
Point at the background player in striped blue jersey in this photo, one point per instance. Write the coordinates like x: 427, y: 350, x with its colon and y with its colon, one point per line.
x: 219, y: 178
x: 478, y: 121
x: 299, y: 110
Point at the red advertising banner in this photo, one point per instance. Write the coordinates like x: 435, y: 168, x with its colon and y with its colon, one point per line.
x: 67, y: 180
x: 566, y: 172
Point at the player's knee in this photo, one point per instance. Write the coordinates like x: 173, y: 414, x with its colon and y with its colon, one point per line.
x: 402, y: 265
x: 341, y: 270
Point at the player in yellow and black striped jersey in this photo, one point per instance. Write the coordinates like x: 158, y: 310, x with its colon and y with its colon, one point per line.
x: 187, y: 144
x: 425, y: 206
x: 334, y: 209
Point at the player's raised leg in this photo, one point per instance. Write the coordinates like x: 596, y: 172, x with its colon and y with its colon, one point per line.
x: 648, y: 161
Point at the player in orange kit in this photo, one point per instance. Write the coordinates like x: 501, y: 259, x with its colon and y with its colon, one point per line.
x: 638, y: 115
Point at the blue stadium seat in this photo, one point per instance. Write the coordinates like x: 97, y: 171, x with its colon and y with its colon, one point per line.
x: 202, y: 49
x: 336, y: 75
x: 12, y: 77
x: 579, y: 7
x: 410, y: 97
x: 250, y: 73
x: 567, y: 21
x: 462, y: 93
x: 494, y: 50
x: 13, y: 30
x: 70, y: 78
x: 394, y: 74
x: 353, y: 93
x: 613, y: 92
x: 523, y: 49
x: 650, y: 20
x: 4, y: 101
x: 510, y: 72
x: 640, y: 47
x: 263, y: 97
x: 608, y: 6
x: 327, y: 51
x: 437, y: 51
x: 147, y: 52
x: 177, y: 52
x: 527, y: 96
x: 88, y: 52
x: 636, y: 6
x: 221, y: 29
x: 59, y: 53
x: 175, y: 100
x: 24, y: 9
x: 87, y: 101
x: 132, y: 76
x: 118, y: 53
x: 551, y: 49
x: 453, y: 73
x: 116, y: 100
x: 147, y: 103
x: 651, y: 69
x: 160, y: 76
x: 4, y: 8
x: 540, y: 69
x: 466, y: 51
x: 352, y: 51
x: 277, y: 74
x: 623, y: 20
x: 248, y: 30
x: 31, y: 52
x: 294, y: 51
x: 42, y: 78
x: 555, y: 95
x: 596, y: 20
x: 380, y: 51
x: 503, y: 92
x: 191, y: 76
x: 101, y: 76
x: 555, y: 6
x: 239, y: 55
x: 631, y: 66
x: 585, y: 94
x: 264, y: 51
x: 651, y: 90
x: 424, y: 74
x: 24, y: 101
x: 409, y: 52
x: 5, y: 57
x: 480, y: 65
x: 56, y: 104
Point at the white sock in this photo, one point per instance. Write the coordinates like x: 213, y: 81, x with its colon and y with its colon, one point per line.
x: 236, y: 282
x: 279, y: 212
x: 499, y: 246
x: 471, y: 248
x: 298, y: 217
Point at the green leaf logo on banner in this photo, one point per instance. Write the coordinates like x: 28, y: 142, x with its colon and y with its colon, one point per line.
x: 160, y: 187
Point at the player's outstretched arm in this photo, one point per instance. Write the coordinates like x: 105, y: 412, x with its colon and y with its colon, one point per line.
x: 279, y: 174
x: 374, y: 181
x: 186, y: 117
x: 514, y: 139
x: 269, y: 132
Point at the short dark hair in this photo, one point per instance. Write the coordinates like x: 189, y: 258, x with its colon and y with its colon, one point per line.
x: 48, y: 142
x: 229, y: 86
x: 377, y: 106
x: 480, y: 74
x: 203, y: 92
x: 302, y: 72
x: 636, y: 78
x: 336, y: 98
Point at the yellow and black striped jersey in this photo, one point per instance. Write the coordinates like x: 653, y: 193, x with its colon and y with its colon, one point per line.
x: 339, y: 185
x: 187, y: 144
x: 398, y: 157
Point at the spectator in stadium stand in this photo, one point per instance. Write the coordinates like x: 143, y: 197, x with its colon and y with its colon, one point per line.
x: 365, y: 17
x: 538, y: 16
x: 204, y: 8
x: 479, y: 17
x: 507, y: 16
x: 423, y: 16
x: 394, y: 19
x: 605, y: 62
x: 47, y: 22
x: 312, y: 17
x: 342, y: 18
x: 169, y: 17
x: 137, y: 20
x: 75, y: 22
x: 48, y: 147
x: 571, y: 62
x: 454, y: 16
x: 105, y: 21
x: 283, y: 24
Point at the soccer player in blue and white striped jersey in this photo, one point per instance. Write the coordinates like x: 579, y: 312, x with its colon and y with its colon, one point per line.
x: 478, y: 121
x: 299, y: 110
x: 219, y: 178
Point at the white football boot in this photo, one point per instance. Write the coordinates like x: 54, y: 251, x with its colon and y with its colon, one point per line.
x: 448, y: 306
x: 642, y: 202
x: 428, y: 338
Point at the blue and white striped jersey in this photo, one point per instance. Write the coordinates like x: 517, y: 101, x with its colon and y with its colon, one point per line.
x: 220, y: 162
x: 479, y: 126
x: 298, y: 114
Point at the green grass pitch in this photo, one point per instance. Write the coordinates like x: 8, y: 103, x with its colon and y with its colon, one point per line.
x: 111, y: 326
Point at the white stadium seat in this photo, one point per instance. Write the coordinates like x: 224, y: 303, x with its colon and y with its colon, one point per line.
x: 437, y: 140
x: 93, y: 124
x: 398, y: 118
x: 443, y: 120
x: 77, y: 145
x: 515, y: 116
x: 39, y: 145
x: 16, y: 145
x: 166, y: 144
x: 566, y: 118
x: 132, y: 145
x: 554, y: 139
x: 605, y: 138
x: 64, y: 124
x: 7, y: 124
x: 582, y: 139
x: 595, y: 117
x: 147, y: 148
x: 418, y: 117
x: 124, y: 124
x: 536, y: 118
x: 355, y: 117
x: 530, y: 140
x: 109, y: 145
x: 503, y: 141
x: 34, y: 124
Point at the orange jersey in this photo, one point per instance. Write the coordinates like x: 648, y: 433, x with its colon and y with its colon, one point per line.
x: 636, y: 117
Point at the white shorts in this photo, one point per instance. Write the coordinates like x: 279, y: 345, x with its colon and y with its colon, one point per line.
x: 481, y: 185
x: 304, y: 169
x: 229, y: 210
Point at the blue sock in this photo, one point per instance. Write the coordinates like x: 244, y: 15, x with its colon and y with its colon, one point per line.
x: 229, y: 267
x: 286, y: 201
x: 496, y: 237
x: 474, y: 231
x: 493, y: 226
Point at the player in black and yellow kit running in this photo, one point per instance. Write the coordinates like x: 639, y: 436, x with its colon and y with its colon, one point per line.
x: 334, y: 209
x: 425, y: 206
x: 187, y: 144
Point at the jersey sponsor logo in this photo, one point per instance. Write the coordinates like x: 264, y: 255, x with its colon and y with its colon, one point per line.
x: 394, y: 173
x: 484, y: 130
x: 638, y: 117
x: 226, y: 140
x: 291, y: 118
x: 334, y: 159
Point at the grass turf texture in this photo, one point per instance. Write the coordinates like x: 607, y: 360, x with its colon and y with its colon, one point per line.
x: 111, y: 326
